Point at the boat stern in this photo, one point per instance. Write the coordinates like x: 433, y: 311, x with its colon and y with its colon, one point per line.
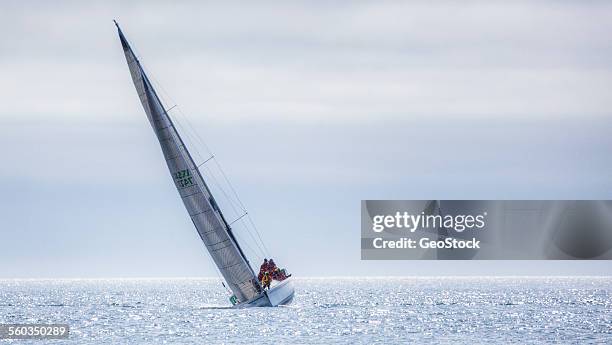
x: 279, y: 294
x: 282, y: 293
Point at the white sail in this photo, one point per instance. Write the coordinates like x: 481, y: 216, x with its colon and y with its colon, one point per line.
x: 203, y: 210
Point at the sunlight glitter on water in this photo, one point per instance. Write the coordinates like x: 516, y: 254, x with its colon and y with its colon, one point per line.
x: 330, y: 310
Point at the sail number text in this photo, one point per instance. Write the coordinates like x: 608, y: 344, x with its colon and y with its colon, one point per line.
x: 183, y: 178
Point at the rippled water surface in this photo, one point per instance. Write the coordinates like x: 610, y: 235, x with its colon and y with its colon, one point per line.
x: 325, y: 311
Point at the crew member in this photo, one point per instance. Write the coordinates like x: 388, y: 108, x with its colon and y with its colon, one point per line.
x: 265, y: 280
x: 271, y: 265
x: 263, y: 269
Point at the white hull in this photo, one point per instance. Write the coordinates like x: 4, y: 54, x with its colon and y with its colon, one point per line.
x: 280, y: 294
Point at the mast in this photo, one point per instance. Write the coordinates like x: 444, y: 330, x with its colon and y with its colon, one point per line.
x: 204, y: 211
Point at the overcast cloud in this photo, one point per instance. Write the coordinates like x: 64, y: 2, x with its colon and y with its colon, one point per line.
x: 310, y: 107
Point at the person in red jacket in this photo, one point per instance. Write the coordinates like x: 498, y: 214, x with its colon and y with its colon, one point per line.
x: 271, y: 265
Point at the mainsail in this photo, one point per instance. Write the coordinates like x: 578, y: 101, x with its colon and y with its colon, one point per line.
x: 206, y: 216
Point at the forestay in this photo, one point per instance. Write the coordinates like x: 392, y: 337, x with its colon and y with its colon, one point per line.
x: 203, y: 210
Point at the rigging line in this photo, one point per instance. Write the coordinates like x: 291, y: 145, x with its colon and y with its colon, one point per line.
x: 193, y: 142
x: 188, y: 137
x: 246, y: 243
x: 165, y: 96
x: 194, y: 134
x: 264, y: 251
x: 241, y: 204
x: 248, y: 231
x: 199, y: 138
x: 211, y: 157
x: 180, y: 111
x: 220, y: 187
x: 260, y: 253
x: 228, y: 182
x: 245, y: 225
x: 195, y: 137
x: 258, y: 235
x: 217, y: 184
x: 193, y: 146
x: 239, y: 218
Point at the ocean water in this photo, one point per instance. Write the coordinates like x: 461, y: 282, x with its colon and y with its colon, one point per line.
x: 324, y: 311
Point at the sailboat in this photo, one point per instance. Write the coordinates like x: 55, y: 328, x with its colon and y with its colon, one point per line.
x: 205, y: 213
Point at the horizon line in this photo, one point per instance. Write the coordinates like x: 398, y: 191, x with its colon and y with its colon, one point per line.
x: 315, y: 277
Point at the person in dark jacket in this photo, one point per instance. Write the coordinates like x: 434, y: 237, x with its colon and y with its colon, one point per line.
x: 263, y: 269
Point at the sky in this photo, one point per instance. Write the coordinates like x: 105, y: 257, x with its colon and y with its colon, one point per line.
x: 309, y: 107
